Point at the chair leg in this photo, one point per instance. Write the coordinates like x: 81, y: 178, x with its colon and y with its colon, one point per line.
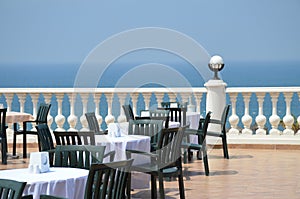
x: 225, y: 147
x: 199, y: 155
x: 205, y: 162
x: 24, y: 146
x: 15, y: 140
x: 4, y: 151
x: 161, y: 185
x: 128, y: 188
x: 153, y: 187
x: 181, y: 185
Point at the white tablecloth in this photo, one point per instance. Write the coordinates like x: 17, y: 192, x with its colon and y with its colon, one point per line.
x: 15, y: 117
x: 63, y: 182
x: 119, y: 145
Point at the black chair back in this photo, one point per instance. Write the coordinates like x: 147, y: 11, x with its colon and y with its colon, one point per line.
x: 93, y: 122
x: 11, y: 189
x: 128, y: 112
x: 74, y: 137
x: 108, y: 180
x: 3, y: 138
x: 42, y: 113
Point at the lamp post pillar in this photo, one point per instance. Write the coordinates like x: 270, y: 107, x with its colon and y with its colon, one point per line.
x: 215, y: 97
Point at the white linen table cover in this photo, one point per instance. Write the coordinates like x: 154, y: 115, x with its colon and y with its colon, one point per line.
x: 63, y: 182
x: 119, y: 145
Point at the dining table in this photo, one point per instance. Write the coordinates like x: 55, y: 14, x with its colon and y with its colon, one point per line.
x: 58, y: 181
x: 119, y: 145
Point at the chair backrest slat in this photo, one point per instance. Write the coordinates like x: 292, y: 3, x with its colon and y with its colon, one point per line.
x: 42, y: 113
x: 11, y: 189
x: 74, y: 137
x: 108, y: 180
x: 78, y: 156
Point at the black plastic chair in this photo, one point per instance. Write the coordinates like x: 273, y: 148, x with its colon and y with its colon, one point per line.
x: 223, y: 132
x: 46, y: 141
x: 93, y: 123
x: 74, y: 137
x: 151, y: 128
x: 3, y: 136
x: 80, y: 156
x: 128, y: 112
x: 165, y: 161
x: 11, y: 189
x: 109, y: 180
x: 201, y: 145
x: 41, y: 118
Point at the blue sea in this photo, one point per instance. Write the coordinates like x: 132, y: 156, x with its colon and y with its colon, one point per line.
x: 235, y: 74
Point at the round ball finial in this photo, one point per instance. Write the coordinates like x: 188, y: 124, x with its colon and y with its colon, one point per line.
x: 216, y: 64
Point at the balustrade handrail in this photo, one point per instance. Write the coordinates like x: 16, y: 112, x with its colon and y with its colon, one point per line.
x: 241, y: 121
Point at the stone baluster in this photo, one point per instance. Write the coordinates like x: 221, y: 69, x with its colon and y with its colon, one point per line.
x: 274, y: 118
x: 109, y: 118
x: 185, y: 97
x: 173, y: 97
x: 247, y: 119
x: 122, y: 117
x: 134, y: 97
x: 97, y: 97
x: 72, y: 119
x: 198, y: 99
x: 9, y: 100
x: 22, y: 100
x: 288, y: 119
x: 260, y: 118
x: 35, y: 100
x: 159, y: 98
x: 48, y: 97
x: 60, y: 119
x: 83, y: 120
x: 147, y: 97
x: 298, y: 119
x: 233, y: 119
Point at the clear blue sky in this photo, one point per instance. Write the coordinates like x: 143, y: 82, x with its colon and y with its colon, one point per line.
x: 59, y: 31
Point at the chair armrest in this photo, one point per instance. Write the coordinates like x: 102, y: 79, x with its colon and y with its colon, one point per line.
x: 215, y: 121
x: 27, y: 197
x: 110, y: 154
x: 129, y: 151
x: 192, y: 132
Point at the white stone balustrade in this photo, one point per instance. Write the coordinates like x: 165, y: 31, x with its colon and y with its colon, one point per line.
x: 245, y: 119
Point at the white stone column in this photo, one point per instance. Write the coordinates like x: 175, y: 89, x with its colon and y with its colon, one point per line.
x: 288, y: 119
x: 215, y: 102
x: 260, y: 118
x: 122, y: 117
x: 97, y: 97
x: 172, y: 97
x: 215, y: 99
x: 72, y: 119
x: 233, y: 119
x: 247, y: 119
x: 59, y: 119
x: 109, y: 118
x: 83, y: 120
x: 274, y: 118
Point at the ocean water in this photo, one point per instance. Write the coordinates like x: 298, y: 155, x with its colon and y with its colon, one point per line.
x: 235, y: 74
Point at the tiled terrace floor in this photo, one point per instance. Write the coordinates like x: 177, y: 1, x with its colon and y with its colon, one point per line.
x: 249, y: 173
